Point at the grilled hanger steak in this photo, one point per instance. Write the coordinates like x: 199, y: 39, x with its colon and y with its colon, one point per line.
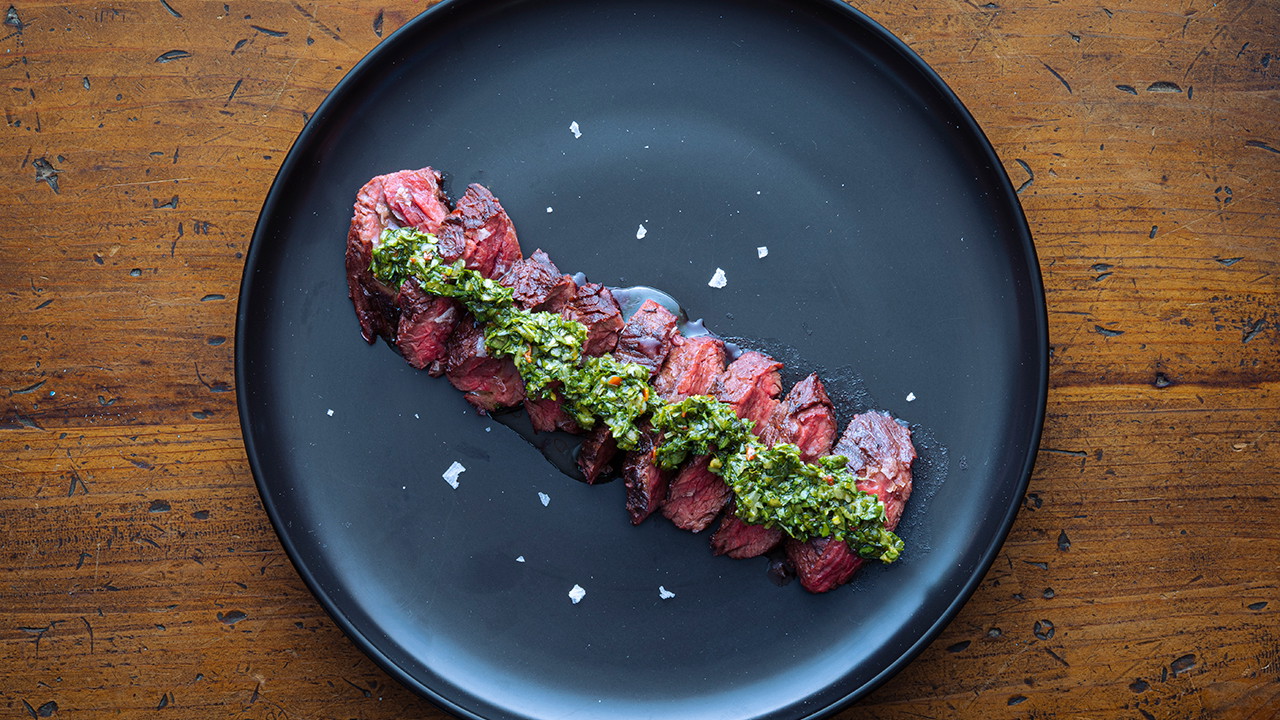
x: 450, y: 289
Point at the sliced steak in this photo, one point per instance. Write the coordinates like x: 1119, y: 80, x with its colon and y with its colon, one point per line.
x: 646, y: 336
x: 822, y: 564
x: 409, y: 198
x: 646, y: 484
x: 804, y: 418
x: 426, y: 321
x: 489, y: 383
x: 696, y: 496
x: 538, y: 285
x: 691, y: 368
x: 750, y: 385
x: 479, y: 231
x: 593, y: 306
x: 548, y: 414
x: 596, y: 452
x: 879, y: 448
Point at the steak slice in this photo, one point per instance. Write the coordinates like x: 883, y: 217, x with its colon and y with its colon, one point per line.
x: 879, y: 448
x: 696, y: 496
x: 426, y: 321
x: 804, y: 418
x: 593, y: 306
x: 595, y: 453
x: 646, y: 336
x: 880, y: 451
x: 408, y: 198
x: 646, y: 484
x: 479, y: 231
x: 750, y: 385
x: 548, y: 414
x: 692, y: 366
x: 537, y: 283
x: 489, y: 383
x: 822, y: 564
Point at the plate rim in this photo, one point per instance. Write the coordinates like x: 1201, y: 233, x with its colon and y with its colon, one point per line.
x: 1008, y: 199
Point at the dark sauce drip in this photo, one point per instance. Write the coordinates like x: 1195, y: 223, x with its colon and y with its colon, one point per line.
x: 559, y: 448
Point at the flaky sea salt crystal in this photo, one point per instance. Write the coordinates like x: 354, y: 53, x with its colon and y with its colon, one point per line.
x: 911, y: 397
x: 548, y: 208
x: 520, y: 558
x: 576, y: 594
x: 762, y: 251
x: 641, y: 232
x: 664, y: 593
x: 718, y: 280
x: 329, y: 412
x: 573, y: 128
x: 451, y: 475
x: 545, y: 498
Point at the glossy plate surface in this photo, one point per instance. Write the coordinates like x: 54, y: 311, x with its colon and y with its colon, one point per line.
x: 898, y: 263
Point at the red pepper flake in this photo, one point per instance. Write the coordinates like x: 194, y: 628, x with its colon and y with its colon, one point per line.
x: 830, y: 480
x: 751, y: 452
x: 615, y: 381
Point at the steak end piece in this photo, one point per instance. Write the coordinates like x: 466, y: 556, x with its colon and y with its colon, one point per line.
x: 879, y: 449
x: 548, y: 414
x: 691, y: 368
x: 596, y: 452
x: 696, y: 496
x: 646, y: 484
x: 739, y: 539
x: 489, y: 383
x: 646, y: 336
x: 593, y: 306
x: 537, y: 284
x: 822, y: 564
x: 408, y: 198
x: 426, y: 321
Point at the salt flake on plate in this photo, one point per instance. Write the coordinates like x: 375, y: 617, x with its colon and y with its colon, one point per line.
x: 664, y: 593
x: 520, y: 559
x: 911, y: 397
x: 329, y: 412
x: 640, y: 233
x: 718, y: 280
x: 451, y: 475
x: 762, y: 251
x: 545, y: 498
x: 576, y: 594
x: 573, y: 128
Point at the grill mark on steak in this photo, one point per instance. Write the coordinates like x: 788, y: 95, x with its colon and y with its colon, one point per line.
x: 750, y: 385
x: 408, y: 198
x: 880, y: 448
x: 692, y: 366
x: 805, y: 418
x: 489, y: 383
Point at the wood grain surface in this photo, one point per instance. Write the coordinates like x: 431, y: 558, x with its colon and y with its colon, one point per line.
x: 139, y: 572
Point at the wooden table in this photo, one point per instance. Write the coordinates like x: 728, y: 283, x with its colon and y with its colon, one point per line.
x: 140, y: 573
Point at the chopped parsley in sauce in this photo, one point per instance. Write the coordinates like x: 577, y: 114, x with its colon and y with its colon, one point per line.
x: 771, y: 484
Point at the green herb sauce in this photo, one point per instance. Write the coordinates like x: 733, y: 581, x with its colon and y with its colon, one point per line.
x: 772, y: 485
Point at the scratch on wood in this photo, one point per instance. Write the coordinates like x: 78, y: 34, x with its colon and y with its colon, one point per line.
x: 172, y: 55
x: 1107, y: 332
x: 234, y: 90
x: 1072, y: 453
x: 315, y: 21
x: 28, y: 389
x: 1261, y: 146
x: 377, y: 24
x: 1164, y: 87
x: 1031, y: 176
x: 169, y: 7
x: 1061, y: 79
x: 1252, y: 331
x: 46, y: 172
x: 1127, y: 88
x: 268, y: 31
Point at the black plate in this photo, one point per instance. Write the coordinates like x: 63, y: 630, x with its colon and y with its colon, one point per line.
x: 899, y: 262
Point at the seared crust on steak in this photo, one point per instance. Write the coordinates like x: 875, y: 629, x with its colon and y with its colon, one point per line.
x: 692, y: 366
x: 593, y: 306
x: 489, y: 383
x: 646, y: 336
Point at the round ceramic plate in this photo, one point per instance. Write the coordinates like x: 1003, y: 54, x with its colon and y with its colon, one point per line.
x: 899, y: 267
